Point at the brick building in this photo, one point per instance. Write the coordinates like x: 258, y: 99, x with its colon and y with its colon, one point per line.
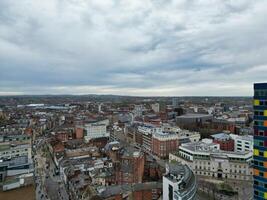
x: 225, y: 141
x: 164, y: 143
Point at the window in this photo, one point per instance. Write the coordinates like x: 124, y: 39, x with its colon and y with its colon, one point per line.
x: 170, y: 192
x: 261, y: 132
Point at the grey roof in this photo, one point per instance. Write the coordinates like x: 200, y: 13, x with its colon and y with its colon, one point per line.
x: 120, y: 189
x: 221, y: 136
x: 194, y: 115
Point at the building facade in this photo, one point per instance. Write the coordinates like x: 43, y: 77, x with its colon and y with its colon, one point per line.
x: 243, y: 142
x: 260, y: 141
x: 164, y: 143
x: 208, y: 160
x: 179, y: 183
x: 96, y: 130
x: 225, y: 141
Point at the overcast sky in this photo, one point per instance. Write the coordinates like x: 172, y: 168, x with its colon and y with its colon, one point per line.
x: 132, y: 47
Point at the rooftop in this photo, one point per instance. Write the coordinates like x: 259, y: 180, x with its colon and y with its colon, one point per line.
x: 221, y: 136
x: 194, y: 115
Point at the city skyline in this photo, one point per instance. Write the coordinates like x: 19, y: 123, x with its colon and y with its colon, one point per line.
x: 137, y: 48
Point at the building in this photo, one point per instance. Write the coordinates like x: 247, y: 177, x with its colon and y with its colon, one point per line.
x: 183, y: 134
x: 138, y: 110
x: 146, y: 132
x: 137, y: 191
x: 243, y: 142
x: 175, y: 102
x: 206, y: 159
x: 164, y: 143
x: 225, y: 141
x: 155, y: 107
x: 96, y: 129
x: 179, y: 183
x: 79, y: 132
x: 16, y: 164
x: 260, y: 141
x: 193, y: 119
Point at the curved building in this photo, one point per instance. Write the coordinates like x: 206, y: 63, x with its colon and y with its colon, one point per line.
x: 179, y: 183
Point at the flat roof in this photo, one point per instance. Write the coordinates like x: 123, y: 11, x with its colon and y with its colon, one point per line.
x: 221, y: 136
x: 194, y: 115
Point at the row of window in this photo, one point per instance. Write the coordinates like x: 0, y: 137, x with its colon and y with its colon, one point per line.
x: 260, y: 173
x: 260, y: 123
x: 260, y: 112
x: 260, y: 92
x: 214, y: 174
x: 260, y: 184
x: 258, y: 102
x: 257, y: 152
x: 261, y: 194
x: 239, y: 141
x: 10, y: 152
x: 260, y: 163
x: 260, y: 143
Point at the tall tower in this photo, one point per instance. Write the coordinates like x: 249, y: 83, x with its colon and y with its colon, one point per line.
x: 260, y: 141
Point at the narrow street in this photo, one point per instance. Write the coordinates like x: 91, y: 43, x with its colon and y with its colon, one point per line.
x: 48, y: 185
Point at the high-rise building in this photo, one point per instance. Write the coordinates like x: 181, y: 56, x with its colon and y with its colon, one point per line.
x: 260, y: 141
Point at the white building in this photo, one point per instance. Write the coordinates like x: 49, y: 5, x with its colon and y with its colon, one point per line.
x: 182, y: 133
x: 96, y: 130
x: 147, y: 132
x: 179, y: 183
x: 155, y: 107
x: 243, y: 142
x: 206, y: 159
x: 138, y: 110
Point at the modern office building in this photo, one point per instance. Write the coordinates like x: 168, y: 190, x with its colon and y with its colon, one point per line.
x: 179, y: 183
x: 260, y: 141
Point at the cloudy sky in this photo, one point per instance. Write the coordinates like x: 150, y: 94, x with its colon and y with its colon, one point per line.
x: 132, y: 47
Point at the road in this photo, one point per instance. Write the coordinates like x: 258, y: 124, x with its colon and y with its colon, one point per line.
x: 48, y: 185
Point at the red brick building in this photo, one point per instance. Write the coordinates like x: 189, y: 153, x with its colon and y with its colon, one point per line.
x: 225, y: 141
x: 79, y: 133
x: 164, y: 143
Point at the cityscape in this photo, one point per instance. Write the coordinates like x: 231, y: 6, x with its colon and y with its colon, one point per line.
x: 121, y: 147
x: 133, y: 100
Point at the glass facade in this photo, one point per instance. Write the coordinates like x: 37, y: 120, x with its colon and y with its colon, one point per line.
x: 260, y: 141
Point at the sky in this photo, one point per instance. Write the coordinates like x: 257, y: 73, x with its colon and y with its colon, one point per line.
x: 133, y: 47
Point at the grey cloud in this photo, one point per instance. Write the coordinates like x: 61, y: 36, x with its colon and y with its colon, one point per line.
x: 117, y: 46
